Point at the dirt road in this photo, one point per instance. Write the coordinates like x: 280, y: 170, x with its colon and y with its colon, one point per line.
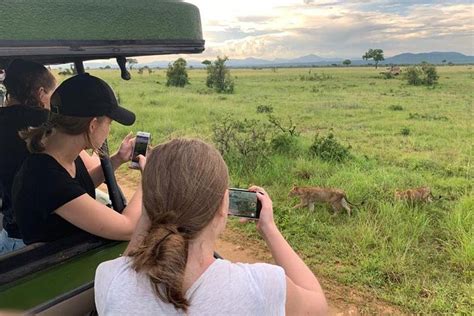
x: 234, y: 247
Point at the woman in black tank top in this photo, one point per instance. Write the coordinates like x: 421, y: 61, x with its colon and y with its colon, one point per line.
x: 53, y: 193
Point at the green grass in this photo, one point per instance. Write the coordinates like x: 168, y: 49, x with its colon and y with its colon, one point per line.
x: 420, y: 258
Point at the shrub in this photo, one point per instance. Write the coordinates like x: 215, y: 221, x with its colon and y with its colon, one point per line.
x: 284, y: 143
x: 244, y: 140
x: 396, y: 108
x: 264, y: 109
x: 424, y: 74
x: 431, y: 75
x: 329, y: 149
x: 218, y: 76
x: 429, y: 117
x: 405, y: 131
x: 290, y: 129
x: 413, y: 76
x: 176, y: 74
x: 388, y: 75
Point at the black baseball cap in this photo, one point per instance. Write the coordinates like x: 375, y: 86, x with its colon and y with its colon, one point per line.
x: 88, y: 96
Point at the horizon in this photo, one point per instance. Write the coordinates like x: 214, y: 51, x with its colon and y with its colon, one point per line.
x: 200, y: 57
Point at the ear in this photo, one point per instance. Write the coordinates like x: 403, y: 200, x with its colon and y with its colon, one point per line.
x: 41, y: 95
x: 93, y: 125
x: 224, y: 208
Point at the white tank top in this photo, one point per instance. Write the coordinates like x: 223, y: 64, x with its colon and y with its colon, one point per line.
x: 225, y: 288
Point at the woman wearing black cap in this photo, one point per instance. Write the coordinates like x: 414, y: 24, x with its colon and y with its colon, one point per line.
x: 53, y: 192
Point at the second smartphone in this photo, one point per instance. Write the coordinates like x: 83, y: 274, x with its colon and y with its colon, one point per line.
x: 244, y: 203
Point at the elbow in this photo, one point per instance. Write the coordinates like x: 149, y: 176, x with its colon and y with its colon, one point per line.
x: 322, y: 306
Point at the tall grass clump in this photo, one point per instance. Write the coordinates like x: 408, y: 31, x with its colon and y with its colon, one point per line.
x: 458, y: 227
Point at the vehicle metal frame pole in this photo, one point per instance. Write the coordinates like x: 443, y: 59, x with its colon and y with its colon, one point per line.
x: 115, y: 194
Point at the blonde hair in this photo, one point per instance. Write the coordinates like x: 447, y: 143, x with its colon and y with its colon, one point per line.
x: 184, y: 183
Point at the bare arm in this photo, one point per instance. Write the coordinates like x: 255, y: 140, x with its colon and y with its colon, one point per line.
x: 304, y: 295
x: 90, y: 161
x: 120, y: 157
x: 96, y: 218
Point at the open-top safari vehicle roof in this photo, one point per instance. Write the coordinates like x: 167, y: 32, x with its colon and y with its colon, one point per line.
x: 62, y: 31
x: 57, y: 277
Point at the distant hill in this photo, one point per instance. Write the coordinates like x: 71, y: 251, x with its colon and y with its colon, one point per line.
x: 433, y: 58
x: 314, y: 60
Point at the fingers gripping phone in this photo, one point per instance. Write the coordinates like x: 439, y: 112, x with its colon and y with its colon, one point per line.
x: 244, y: 203
x: 142, y: 141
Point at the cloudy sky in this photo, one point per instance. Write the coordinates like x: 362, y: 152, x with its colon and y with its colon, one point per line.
x: 334, y: 28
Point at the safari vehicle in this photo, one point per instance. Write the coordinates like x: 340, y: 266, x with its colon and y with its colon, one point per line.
x: 57, y: 277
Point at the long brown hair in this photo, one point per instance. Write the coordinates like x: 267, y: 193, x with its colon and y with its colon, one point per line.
x: 70, y: 125
x: 23, y: 78
x: 184, y: 183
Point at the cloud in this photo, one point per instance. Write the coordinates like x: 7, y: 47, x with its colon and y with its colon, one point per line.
x: 255, y: 19
x: 337, y: 28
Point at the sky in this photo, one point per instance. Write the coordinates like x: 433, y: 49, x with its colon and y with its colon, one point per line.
x: 272, y: 29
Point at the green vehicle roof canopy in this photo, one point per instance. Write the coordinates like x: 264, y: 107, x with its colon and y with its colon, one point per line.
x: 57, y: 31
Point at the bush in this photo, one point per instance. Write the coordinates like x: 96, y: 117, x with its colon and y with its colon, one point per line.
x: 284, y: 144
x: 218, y: 76
x: 329, y: 149
x: 246, y: 140
x: 431, y: 75
x: 264, y: 109
x: 396, y: 108
x: 176, y: 74
x: 424, y: 74
x: 405, y: 131
x: 388, y: 75
x: 413, y: 76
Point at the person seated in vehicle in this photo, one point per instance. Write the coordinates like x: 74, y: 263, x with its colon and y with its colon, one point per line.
x: 29, y: 86
x: 53, y: 192
x: 169, y: 267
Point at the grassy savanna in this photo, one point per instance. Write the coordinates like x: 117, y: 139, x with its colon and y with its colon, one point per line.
x: 419, y: 257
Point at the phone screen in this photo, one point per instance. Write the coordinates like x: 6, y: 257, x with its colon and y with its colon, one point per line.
x: 243, y: 203
x: 141, y: 145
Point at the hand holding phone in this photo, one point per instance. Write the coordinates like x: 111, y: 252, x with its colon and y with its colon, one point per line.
x: 142, y: 141
x: 244, y: 203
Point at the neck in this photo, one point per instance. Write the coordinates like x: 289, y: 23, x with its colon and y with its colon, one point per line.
x: 200, y: 256
x: 64, y: 148
x: 13, y: 101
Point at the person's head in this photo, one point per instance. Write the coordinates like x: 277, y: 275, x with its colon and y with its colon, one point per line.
x: 29, y: 83
x: 84, y: 106
x: 185, y: 184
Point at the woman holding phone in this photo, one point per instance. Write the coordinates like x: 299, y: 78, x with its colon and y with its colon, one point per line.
x: 169, y: 267
x: 53, y: 192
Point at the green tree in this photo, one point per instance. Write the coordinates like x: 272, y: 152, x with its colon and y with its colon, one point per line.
x: 218, y: 75
x: 131, y: 62
x: 375, y: 54
x: 346, y: 62
x: 177, y: 74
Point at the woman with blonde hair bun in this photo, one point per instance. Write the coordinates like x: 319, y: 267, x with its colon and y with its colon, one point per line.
x: 169, y: 267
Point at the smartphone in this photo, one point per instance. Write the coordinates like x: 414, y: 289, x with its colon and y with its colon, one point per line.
x: 244, y: 203
x: 142, y: 141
